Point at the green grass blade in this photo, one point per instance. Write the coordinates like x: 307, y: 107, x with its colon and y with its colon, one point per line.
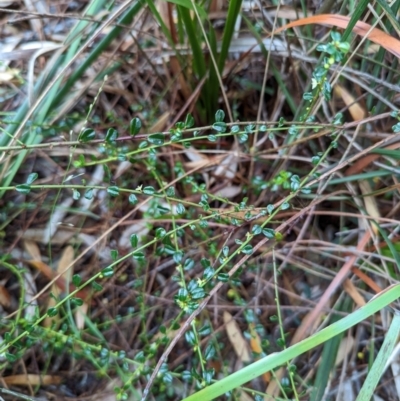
x: 374, y: 375
x: 233, y: 12
x: 199, y: 64
x: 358, y: 12
x: 328, y: 358
x: 395, y: 154
x: 390, y: 244
x: 279, y: 358
x: 190, y: 6
x: 99, y: 49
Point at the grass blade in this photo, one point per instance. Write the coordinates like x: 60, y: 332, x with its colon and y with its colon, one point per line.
x: 277, y: 359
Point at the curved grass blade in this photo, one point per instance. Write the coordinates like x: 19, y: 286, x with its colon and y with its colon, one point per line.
x: 275, y: 360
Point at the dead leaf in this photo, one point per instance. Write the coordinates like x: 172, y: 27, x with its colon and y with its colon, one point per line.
x: 345, y: 347
x: 236, y: 338
x: 255, y: 345
x: 370, y: 204
x: 356, y: 111
x: 351, y: 289
x: 361, y: 28
x: 5, y: 297
x: 33, y: 250
x: 32, y: 380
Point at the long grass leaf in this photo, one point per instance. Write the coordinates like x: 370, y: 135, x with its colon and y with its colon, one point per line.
x: 233, y: 13
x: 374, y: 375
x: 279, y: 358
x: 361, y: 6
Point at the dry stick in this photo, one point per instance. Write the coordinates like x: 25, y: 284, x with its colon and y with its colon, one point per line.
x: 203, y: 304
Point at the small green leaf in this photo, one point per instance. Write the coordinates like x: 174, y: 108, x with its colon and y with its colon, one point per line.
x: 235, y: 129
x: 293, y: 130
x: 133, y: 200
x: 160, y: 233
x: 170, y: 191
x: 269, y: 233
x: 76, y: 280
x: 270, y: 208
x: 76, y: 301
x: 396, y: 128
x: 52, y: 312
x: 212, y: 138
x: 23, y: 188
x: 256, y: 229
x: 189, y: 121
x: 285, y: 206
x: 89, y: 194
x: 344, y: 47
x: 75, y: 194
x: 114, y: 254
x: 31, y: 178
x: 315, y: 160
x: 247, y: 250
x: 11, y: 357
x: 243, y: 138
x: 188, y: 264
x: 219, y: 126
x: 107, y: 272
x: 156, y: 139
x: 113, y: 191
x: 134, y: 240
x: 87, y: 135
x: 96, y: 286
x: 219, y: 116
x: 180, y: 209
x: 138, y: 256
x: 308, y: 96
x: 149, y: 190
x: 135, y: 126
x: 111, y: 136
x: 224, y: 277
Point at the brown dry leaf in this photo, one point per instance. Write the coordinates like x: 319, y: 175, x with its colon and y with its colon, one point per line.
x: 5, y: 297
x: 367, y: 280
x: 351, y: 289
x: 48, y: 272
x: 273, y: 389
x: 377, y: 36
x: 356, y: 111
x: 230, y: 191
x: 291, y: 290
x: 161, y: 122
x: 33, y: 250
x: 66, y: 258
x: 345, y: 347
x: 80, y: 313
x: 370, y: 203
x: 37, y: 234
x: 227, y: 167
x: 255, y: 345
x: 236, y: 338
x: 362, y: 163
x: 32, y: 380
